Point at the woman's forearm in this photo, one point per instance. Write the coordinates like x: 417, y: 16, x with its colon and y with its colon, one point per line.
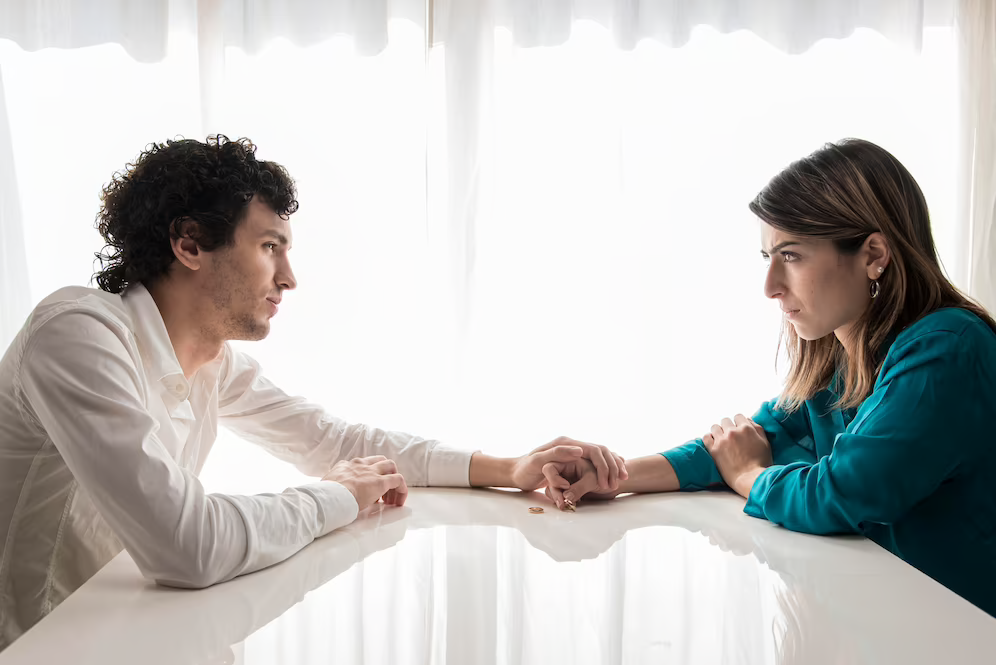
x: 652, y: 473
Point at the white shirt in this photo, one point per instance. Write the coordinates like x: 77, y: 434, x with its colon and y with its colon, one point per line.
x: 102, y: 438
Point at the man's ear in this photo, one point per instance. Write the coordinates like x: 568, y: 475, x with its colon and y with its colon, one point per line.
x: 185, y: 247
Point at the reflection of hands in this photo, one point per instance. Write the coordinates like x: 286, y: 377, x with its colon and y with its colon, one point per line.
x: 563, y: 536
x: 569, y: 482
x: 529, y: 473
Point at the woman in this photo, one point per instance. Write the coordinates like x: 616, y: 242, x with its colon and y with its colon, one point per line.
x: 885, y: 424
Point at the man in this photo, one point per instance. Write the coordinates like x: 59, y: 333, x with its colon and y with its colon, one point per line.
x: 110, y: 399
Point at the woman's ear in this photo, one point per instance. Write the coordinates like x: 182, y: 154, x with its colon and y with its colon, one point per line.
x: 877, y: 255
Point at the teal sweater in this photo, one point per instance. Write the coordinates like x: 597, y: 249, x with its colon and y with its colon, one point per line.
x: 913, y: 468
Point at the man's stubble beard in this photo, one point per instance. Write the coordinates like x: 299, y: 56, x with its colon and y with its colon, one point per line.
x: 236, y: 325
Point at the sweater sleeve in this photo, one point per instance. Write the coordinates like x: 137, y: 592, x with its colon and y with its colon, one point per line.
x: 907, y: 438
x: 695, y: 469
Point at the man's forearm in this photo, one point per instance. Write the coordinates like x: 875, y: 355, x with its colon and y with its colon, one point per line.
x: 488, y: 471
x: 652, y: 473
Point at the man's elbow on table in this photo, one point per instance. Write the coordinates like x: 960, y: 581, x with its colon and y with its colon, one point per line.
x: 200, y: 581
x: 209, y: 546
x: 191, y: 570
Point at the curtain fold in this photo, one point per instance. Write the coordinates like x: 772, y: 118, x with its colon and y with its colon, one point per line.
x: 465, y: 101
x: 140, y: 27
x: 976, y: 30
x: 251, y: 24
x: 15, y: 298
x: 790, y: 25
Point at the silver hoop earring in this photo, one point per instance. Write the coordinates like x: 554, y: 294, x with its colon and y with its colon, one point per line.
x: 874, y: 289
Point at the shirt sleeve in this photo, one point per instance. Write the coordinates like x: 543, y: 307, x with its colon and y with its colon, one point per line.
x: 696, y: 470
x: 81, y: 384
x: 907, y: 438
x: 307, y: 436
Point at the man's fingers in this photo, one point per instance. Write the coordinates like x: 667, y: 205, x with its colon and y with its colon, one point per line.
x: 393, y: 481
x: 395, y: 489
x: 716, y: 430
x: 587, y: 483
x: 396, y: 496
x: 623, y: 472
x: 555, y: 495
x: 739, y: 419
x: 561, y: 454
x: 385, y: 466
x: 551, y: 472
x: 559, y: 441
x: 400, y: 491
x: 601, y: 466
x: 613, y: 469
x: 373, y: 459
x: 726, y: 424
x: 555, y: 482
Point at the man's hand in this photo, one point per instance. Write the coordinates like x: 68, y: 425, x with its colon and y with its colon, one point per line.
x: 528, y: 471
x: 369, y: 479
x: 741, y: 451
x: 569, y: 482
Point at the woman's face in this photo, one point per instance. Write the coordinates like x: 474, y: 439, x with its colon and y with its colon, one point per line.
x: 820, y: 290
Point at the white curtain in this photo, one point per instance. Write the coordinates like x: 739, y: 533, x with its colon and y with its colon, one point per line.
x: 976, y: 33
x: 472, y: 594
x: 498, y: 242
x: 604, y: 274
x: 15, y: 299
x: 519, y: 219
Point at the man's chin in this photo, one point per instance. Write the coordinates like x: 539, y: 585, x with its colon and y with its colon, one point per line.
x: 254, y: 332
x: 259, y: 332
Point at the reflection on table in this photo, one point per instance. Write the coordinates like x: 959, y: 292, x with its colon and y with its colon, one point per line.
x: 471, y: 576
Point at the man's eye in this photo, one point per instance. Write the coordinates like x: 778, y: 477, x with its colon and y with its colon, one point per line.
x: 789, y: 257
x: 270, y: 245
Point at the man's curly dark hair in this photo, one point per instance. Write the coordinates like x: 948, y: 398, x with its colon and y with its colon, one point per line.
x: 209, y: 183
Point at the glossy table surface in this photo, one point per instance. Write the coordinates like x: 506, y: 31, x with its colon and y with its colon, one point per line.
x: 471, y: 576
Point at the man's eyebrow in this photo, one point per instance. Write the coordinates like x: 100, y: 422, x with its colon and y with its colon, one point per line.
x: 273, y: 233
x: 787, y: 243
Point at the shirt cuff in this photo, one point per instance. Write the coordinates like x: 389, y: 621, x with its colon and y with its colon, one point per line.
x: 759, y: 492
x: 449, y: 467
x: 336, y: 505
x: 694, y: 466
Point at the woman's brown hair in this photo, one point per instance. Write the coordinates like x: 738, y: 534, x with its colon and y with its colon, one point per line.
x: 844, y: 192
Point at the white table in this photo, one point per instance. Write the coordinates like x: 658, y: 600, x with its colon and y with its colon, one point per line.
x: 471, y: 577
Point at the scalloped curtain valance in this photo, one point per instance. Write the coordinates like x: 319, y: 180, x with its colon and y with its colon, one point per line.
x: 143, y: 27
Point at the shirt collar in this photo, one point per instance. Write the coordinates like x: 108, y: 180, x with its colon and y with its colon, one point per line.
x: 153, y: 341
